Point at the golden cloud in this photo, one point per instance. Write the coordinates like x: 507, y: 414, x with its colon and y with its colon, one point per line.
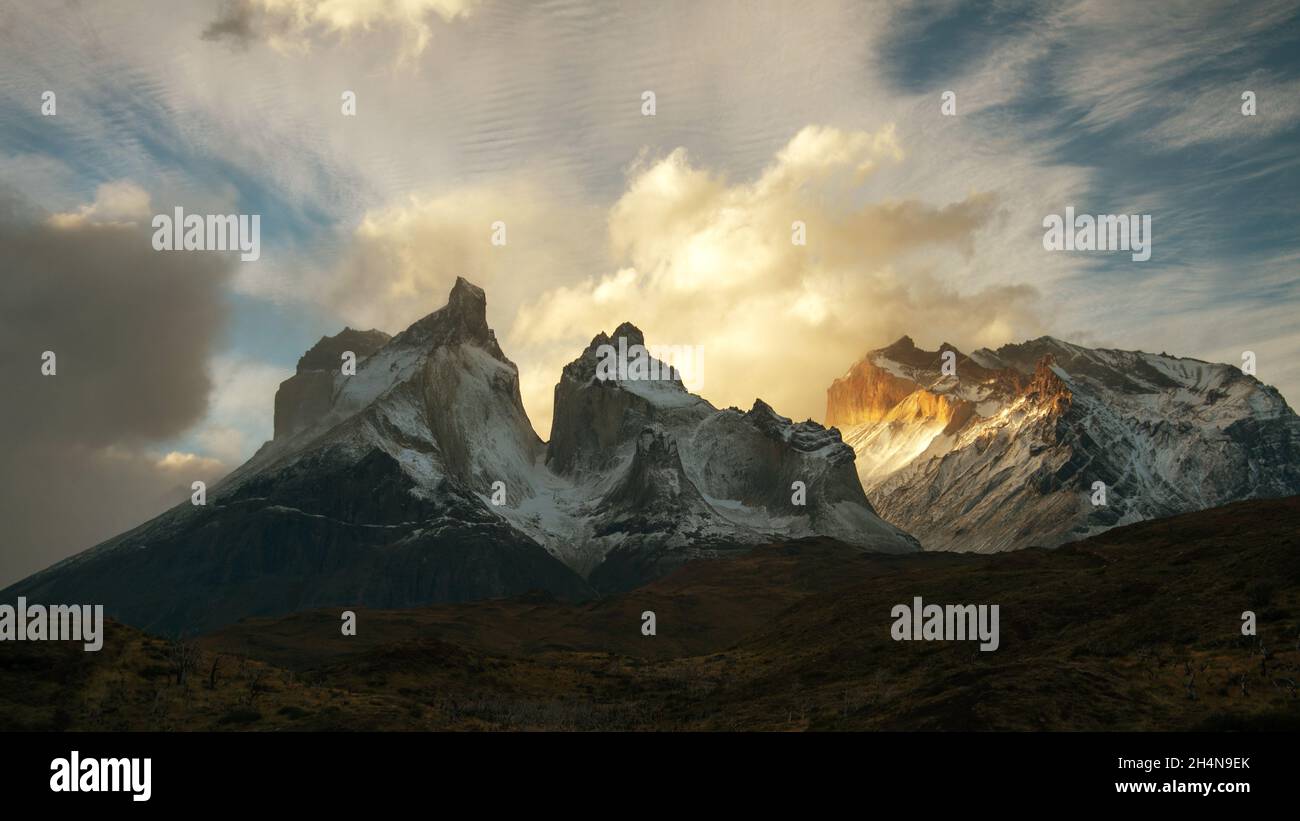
x: 696, y: 260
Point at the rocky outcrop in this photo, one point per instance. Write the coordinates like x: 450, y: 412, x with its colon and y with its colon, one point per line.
x: 728, y: 477
x: 594, y: 416
x: 1047, y: 388
x: 304, y: 398
x: 864, y: 395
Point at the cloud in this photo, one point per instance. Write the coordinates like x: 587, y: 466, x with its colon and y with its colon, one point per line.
x: 116, y: 203
x: 1214, y: 115
x: 697, y: 259
x: 63, y: 497
x: 241, y: 410
x: 712, y: 265
x: 291, y: 25
x: 1117, y: 63
x: 402, y: 259
x: 187, y: 464
x: 132, y: 330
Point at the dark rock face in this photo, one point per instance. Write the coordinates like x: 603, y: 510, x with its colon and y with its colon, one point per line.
x: 253, y: 555
x: 304, y: 398
x: 593, y: 417
x: 462, y: 321
x: 654, y: 481
x: 327, y: 354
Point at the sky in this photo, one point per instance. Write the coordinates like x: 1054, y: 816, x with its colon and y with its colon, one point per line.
x: 532, y: 114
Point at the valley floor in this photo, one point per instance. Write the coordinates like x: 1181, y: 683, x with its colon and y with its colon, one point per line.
x: 1136, y: 629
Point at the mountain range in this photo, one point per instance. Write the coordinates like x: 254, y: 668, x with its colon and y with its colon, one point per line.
x: 419, y: 479
x: 416, y: 477
x: 1045, y: 442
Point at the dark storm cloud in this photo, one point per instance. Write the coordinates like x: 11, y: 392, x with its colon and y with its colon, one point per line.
x: 132, y: 329
x: 236, y: 23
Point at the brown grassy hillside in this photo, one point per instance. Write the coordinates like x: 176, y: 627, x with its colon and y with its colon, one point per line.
x: 1136, y: 629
